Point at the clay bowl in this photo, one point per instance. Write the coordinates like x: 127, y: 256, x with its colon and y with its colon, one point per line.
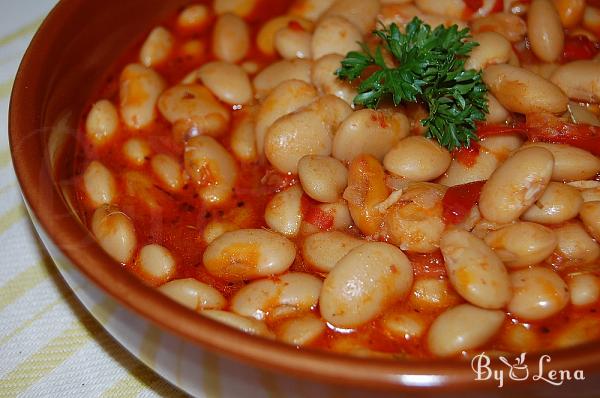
x: 65, y: 64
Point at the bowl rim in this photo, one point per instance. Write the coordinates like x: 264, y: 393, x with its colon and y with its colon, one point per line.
x: 147, y: 302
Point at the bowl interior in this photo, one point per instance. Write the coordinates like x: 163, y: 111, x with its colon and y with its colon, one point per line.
x: 68, y: 60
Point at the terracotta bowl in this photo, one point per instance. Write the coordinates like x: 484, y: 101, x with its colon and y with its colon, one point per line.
x: 67, y: 61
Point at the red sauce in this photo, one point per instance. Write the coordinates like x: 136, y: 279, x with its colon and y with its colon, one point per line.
x: 579, y: 48
x: 459, y: 200
x: 467, y: 156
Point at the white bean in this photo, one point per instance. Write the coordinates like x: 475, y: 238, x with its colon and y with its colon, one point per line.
x: 361, y: 13
x: 115, y: 233
x: 493, y: 49
x: 335, y: 35
x: 590, y: 215
x: 475, y: 271
x: 575, y: 245
x: 310, y: 9
x: 545, y: 31
x: 242, y: 323
x: 157, y: 47
x: 522, y: 243
x: 193, y: 16
x: 520, y: 90
x: 323, y: 178
x: 414, y: 223
x: 243, y: 8
x: 570, y: 12
x: 283, y: 213
x: 278, y: 72
x: 293, y: 43
x: 559, y: 203
x: 139, y: 89
x: 194, y: 103
x: 286, y: 98
x: 584, y: 289
x: 308, y: 132
x: 324, y: 78
x: 231, y: 38
x: 512, y: 27
x: 194, y: 294
x: 265, y: 38
x: 516, y: 184
x: 137, y: 151
x: 405, y: 325
x: 418, y: 159
x: 214, y: 229
x: 580, y: 80
x: 301, y: 330
x: 371, y: 132
x: 229, y: 82
x: 539, y: 293
x: 211, y: 167
x: 99, y: 184
x: 102, y: 122
x: 248, y: 254
x: 272, y: 298
x: 324, y: 249
x: 168, y: 170
x: 363, y: 283
x: 156, y: 262
x: 463, y: 327
x: 450, y: 8
x: 570, y: 163
x: 243, y: 139
x: 432, y: 294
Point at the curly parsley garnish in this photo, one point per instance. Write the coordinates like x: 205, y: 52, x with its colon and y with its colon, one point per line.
x: 431, y: 71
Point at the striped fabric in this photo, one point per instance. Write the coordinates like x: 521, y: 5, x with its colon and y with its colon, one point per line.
x: 49, y: 344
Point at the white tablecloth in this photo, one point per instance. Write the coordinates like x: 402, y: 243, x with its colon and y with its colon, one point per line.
x: 49, y: 345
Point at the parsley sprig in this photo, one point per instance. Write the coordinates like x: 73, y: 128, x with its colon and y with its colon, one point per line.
x: 431, y: 71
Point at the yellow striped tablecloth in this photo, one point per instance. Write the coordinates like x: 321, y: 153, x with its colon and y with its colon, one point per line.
x: 49, y: 344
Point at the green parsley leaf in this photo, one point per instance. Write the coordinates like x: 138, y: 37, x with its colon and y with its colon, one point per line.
x: 431, y: 71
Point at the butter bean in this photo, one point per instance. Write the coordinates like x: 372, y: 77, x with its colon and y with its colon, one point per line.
x: 335, y: 35
x: 323, y: 178
x: 283, y: 213
x: 242, y: 323
x: 539, y: 293
x: 545, y: 30
x: 324, y: 249
x: 115, y: 233
x: 248, y: 254
x: 520, y: 90
x: 516, y: 185
x: 225, y: 47
x: 99, y: 184
x: 580, y: 80
x: 370, y: 132
x: 211, y: 167
x: 139, y: 89
x: 194, y: 294
x: 590, y: 215
x: 102, y: 122
x: 570, y: 163
x: 475, y: 271
x: 417, y: 158
x: 229, y: 82
x: 272, y: 298
x: 364, y: 283
x: 522, y: 243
